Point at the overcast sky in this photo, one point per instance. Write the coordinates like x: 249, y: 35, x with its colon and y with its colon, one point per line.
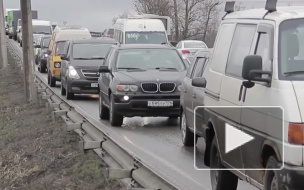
x: 97, y: 15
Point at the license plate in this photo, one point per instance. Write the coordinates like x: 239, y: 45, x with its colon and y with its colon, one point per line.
x: 160, y: 103
x: 94, y: 85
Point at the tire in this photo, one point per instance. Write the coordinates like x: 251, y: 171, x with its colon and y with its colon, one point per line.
x: 10, y: 37
x: 187, y: 135
x: 62, y: 89
x: 52, y: 81
x: 220, y: 179
x: 271, y: 177
x: 115, y: 119
x: 69, y: 95
x: 103, y: 111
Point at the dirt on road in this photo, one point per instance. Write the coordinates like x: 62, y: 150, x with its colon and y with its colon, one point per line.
x: 35, y: 151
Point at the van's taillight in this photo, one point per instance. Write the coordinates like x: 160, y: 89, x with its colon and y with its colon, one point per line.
x: 185, y: 51
x: 296, y: 133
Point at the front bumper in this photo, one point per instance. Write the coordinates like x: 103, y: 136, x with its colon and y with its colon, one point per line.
x: 82, y: 87
x: 137, y: 105
x: 291, y: 178
x: 43, y: 62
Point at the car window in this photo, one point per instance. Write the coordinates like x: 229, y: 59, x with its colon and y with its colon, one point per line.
x: 198, y: 68
x: 60, y: 47
x: 240, y: 48
x: 190, y: 69
x: 263, y: 50
x: 150, y: 59
x: 195, y: 45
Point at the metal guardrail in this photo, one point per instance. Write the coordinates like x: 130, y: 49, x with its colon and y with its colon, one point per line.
x: 121, y: 164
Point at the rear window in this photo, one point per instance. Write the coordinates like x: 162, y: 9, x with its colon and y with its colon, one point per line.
x: 195, y: 45
x: 149, y: 59
x: 90, y: 51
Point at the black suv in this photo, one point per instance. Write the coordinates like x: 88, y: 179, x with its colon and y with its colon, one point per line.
x: 42, y: 46
x: 140, y: 80
x: 79, y: 66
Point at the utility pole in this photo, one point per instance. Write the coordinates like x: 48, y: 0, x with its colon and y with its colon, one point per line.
x: 3, y: 53
x: 28, y: 50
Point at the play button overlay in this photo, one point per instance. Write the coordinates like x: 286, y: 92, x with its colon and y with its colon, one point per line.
x: 235, y: 138
x: 240, y: 137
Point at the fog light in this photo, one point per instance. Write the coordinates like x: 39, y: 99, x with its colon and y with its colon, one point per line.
x: 126, y: 98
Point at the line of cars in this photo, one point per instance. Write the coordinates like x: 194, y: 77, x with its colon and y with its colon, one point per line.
x: 257, y: 61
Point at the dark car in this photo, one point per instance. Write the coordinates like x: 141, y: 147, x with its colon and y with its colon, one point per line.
x: 192, y: 95
x: 140, y: 80
x: 109, y: 33
x: 80, y: 64
x: 42, y: 47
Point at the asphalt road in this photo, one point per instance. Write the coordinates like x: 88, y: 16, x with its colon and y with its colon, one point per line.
x: 155, y: 141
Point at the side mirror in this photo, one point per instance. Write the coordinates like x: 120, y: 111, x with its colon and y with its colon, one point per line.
x: 253, y: 71
x: 199, y: 82
x: 104, y: 69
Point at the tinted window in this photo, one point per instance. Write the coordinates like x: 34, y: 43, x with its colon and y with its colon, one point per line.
x: 150, y: 59
x: 90, y: 51
x: 146, y: 37
x: 195, y: 45
x: 240, y: 48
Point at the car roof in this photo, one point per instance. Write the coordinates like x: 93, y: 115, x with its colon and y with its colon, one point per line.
x: 282, y: 13
x: 145, y: 46
x: 95, y: 40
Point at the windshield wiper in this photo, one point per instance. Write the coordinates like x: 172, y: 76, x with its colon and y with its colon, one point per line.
x: 291, y: 73
x: 130, y: 68
x: 166, y: 68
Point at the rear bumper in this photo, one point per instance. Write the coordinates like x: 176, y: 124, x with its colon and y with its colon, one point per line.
x: 138, y: 106
x: 291, y: 178
x: 82, y: 87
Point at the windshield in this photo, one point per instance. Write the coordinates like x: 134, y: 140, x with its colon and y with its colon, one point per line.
x: 291, y: 50
x: 90, y: 51
x: 146, y: 37
x: 149, y: 59
x: 195, y: 45
x: 39, y: 29
x: 46, y: 42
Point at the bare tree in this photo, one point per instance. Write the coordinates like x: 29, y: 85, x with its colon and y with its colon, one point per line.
x: 158, y: 7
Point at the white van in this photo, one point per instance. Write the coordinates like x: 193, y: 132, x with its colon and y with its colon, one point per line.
x: 40, y: 28
x: 19, y: 31
x: 57, y: 47
x: 258, y: 61
x: 140, y: 31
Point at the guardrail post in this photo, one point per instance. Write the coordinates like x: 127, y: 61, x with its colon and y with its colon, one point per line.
x: 89, y: 145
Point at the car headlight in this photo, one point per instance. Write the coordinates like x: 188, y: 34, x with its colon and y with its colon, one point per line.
x: 45, y: 55
x: 73, y: 73
x: 127, y: 88
x: 180, y: 88
x: 57, y: 65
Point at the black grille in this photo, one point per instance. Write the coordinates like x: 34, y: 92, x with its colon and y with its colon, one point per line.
x: 90, y: 73
x: 149, y: 87
x: 167, y: 87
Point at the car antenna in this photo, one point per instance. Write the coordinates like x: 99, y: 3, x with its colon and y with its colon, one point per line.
x: 229, y: 8
x: 271, y: 6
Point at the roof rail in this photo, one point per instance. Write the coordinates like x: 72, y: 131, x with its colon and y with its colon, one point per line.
x: 271, y: 6
x: 229, y: 8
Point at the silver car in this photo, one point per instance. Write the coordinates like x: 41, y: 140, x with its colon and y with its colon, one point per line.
x: 189, y: 48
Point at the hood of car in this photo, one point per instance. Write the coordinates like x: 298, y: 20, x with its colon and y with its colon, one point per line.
x: 86, y: 63
x: 158, y: 76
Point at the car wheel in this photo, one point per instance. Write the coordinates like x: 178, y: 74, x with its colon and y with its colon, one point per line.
x: 187, y: 135
x: 52, y: 81
x: 115, y: 119
x: 103, y: 111
x: 62, y: 89
x: 220, y: 179
x: 271, y: 177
